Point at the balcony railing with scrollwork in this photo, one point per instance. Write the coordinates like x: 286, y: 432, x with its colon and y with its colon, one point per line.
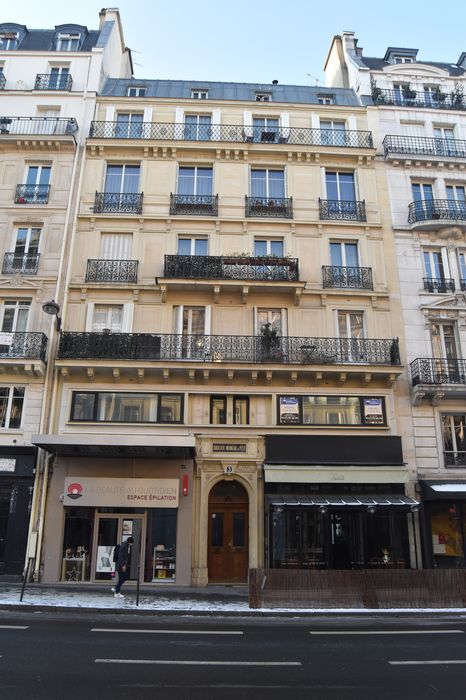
x: 424, y: 146
x: 454, y: 458
x: 30, y: 346
x: 266, y: 207
x: 432, y: 370
x: 14, y: 264
x: 436, y: 209
x: 463, y: 284
x: 115, y: 203
x: 418, y: 98
x: 234, y: 133
x: 194, y: 204
x: 335, y: 276
x: 228, y: 348
x: 50, y: 81
x: 231, y: 267
x: 2, y: 80
x: 112, y: 271
x: 343, y: 210
x: 38, y: 126
x: 433, y: 285
x: 32, y: 194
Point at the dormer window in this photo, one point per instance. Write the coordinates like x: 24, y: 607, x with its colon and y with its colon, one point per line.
x: 263, y: 97
x: 136, y: 91
x: 403, y: 59
x: 325, y: 99
x: 9, y: 41
x: 68, y: 42
x: 200, y: 94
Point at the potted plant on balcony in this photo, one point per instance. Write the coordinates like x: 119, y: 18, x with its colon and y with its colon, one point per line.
x: 4, y: 123
x: 438, y: 95
x: 269, y: 343
x: 408, y: 93
x: 457, y: 96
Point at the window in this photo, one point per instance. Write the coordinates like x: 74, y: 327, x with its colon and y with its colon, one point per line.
x: 325, y: 99
x: 454, y: 439
x: 15, y: 314
x: 422, y: 192
x: 270, y: 318
x: 129, y: 126
x: 331, y: 410
x: 191, y: 325
x: 444, y: 343
x: 223, y: 407
x: 27, y: 241
x: 462, y: 265
x: 116, y: 246
x: 456, y: 193
x: 195, y: 181
x: 122, y: 179
x: 241, y: 410
x: 265, y: 129
x: 403, y: 59
x: 436, y: 269
x: 8, y: 41
x: 218, y: 410
x: 263, y: 97
x: 136, y: 91
x: 268, y: 184
x: 344, y: 254
x: 11, y: 406
x: 265, y: 246
x: 340, y: 186
x: 36, y: 188
x: 68, y: 42
x: 332, y: 133
x: 192, y: 246
x: 199, y: 94
x: 59, y: 78
x: 126, y: 407
x: 198, y: 127
x: 107, y: 318
x: 350, y: 329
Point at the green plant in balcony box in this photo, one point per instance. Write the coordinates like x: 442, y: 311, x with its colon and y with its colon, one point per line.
x: 438, y: 95
x: 408, y: 93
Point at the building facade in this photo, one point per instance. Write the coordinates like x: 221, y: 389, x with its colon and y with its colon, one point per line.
x: 229, y: 378
x: 48, y: 83
x: 417, y: 111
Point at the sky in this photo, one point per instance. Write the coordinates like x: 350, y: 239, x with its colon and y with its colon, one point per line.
x: 257, y: 40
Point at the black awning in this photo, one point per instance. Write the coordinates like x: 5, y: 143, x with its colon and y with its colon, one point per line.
x: 359, y: 450
x: 453, y: 489
x: 390, y: 500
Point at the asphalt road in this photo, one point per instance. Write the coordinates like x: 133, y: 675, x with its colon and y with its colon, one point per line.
x: 46, y: 657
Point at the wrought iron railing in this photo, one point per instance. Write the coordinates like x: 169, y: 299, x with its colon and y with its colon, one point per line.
x: 276, y: 207
x: 57, y: 126
x: 112, y: 271
x: 414, y: 98
x: 50, y: 81
x: 26, y: 264
x: 432, y: 370
x: 231, y: 267
x: 32, y: 194
x: 228, y: 348
x: 231, y: 132
x: 424, y: 146
x: 454, y: 458
x: 347, y: 277
x: 463, y: 285
x: 194, y: 204
x: 434, y: 209
x: 433, y: 285
x: 2, y: 80
x: 116, y: 203
x: 28, y: 345
x: 342, y: 210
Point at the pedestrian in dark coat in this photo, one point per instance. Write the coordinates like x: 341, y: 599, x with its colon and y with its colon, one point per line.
x: 122, y: 565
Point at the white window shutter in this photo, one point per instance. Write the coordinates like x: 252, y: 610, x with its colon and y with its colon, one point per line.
x: 351, y: 122
x: 179, y: 119
x: 445, y: 261
x: 284, y: 322
x: 147, y: 118
x: 110, y: 115
x: 207, y: 320
x: 323, y: 183
x: 89, y: 316
x: 127, y: 321
x: 315, y: 120
x: 248, y: 130
x: 285, y: 127
x: 216, y: 121
x: 115, y: 246
x: 178, y: 319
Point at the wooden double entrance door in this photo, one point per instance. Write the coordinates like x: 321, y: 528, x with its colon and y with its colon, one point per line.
x: 228, y: 533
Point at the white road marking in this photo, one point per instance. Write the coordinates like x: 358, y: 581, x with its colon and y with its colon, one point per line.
x: 394, y: 632
x: 170, y: 662
x: 130, y: 631
x: 427, y: 663
x: 14, y: 627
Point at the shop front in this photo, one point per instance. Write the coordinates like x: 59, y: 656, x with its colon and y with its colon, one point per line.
x: 95, y: 503
x: 16, y: 485
x: 444, y: 523
x: 338, y: 504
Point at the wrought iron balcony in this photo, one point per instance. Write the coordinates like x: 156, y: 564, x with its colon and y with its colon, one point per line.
x: 433, y: 285
x: 2, y: 80
x: 342, y: 210
x: 436, y: 209
x: 32, y: 194
x: 26, y: 264
x: 454, y: 458
x: 424, y: 146
x: 50, y: 81
x: 413, y: 98
x: 228, y: 348
x: 231, y: 267
x: 32, y: 126
x: 194, y: 204
x: 116, y: 203
x: 112, y: 271
x: 347, y: 277
x: 232, y: 133
x: 276, y: 207
x: 432, y: 370
x: 463, y: 285
x: 28, y: 345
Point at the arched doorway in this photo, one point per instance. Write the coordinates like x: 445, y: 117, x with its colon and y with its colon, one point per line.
x: 228, y: 533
